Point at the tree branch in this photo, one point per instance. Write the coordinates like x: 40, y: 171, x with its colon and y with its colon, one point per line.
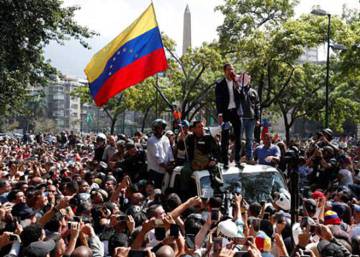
x: 156, y: 85
x: 199, y: 98
x: 194, y: 83
x: 178, y: 61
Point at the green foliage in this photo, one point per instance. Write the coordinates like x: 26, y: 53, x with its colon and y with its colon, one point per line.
x: 26, y: 26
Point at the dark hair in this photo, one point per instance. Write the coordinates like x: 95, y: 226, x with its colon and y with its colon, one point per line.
x: 172, y: 201
x: 267, y: 227
x: 72, y: 186
x: 117, y: 240
x: 12, y: 195
x: 255, y: 209
x: 53, y: 224
x: 192, y: 226
x: 151, y: 211
x: 226, y: 65
x: 31, y: 233
x: 195, y: 123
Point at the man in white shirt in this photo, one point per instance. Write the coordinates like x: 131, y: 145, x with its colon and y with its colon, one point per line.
x: 159, y: 153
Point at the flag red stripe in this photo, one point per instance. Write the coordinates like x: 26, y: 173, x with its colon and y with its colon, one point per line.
x: 132, y: 74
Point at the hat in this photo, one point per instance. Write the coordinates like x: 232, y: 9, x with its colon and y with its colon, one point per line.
x: 283, y: 201
x: 129, y: 145
x: 39, y: 248
x: 185, y: 123
x: 228, y: 228
x: 317, y: 194
x: 263, y: 242
x: 331, y: 218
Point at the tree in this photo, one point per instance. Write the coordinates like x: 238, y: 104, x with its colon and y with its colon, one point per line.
x: 26, y: 27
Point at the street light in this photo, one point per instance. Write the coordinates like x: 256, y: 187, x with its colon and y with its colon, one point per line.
x: 320, y: 12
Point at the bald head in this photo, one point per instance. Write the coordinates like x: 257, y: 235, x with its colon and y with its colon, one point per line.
x: 165, y: 251
x: 82, y: 251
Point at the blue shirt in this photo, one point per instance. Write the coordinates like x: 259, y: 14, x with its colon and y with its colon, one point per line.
x: 261, y: 152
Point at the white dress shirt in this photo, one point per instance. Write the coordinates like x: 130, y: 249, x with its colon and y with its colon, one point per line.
x: 158, y: 151
x: 230, y: 85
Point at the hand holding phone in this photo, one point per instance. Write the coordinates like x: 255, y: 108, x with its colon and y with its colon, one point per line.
x: 174, y: 230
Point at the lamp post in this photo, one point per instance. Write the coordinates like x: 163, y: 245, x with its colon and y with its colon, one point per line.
x: 320, y: 12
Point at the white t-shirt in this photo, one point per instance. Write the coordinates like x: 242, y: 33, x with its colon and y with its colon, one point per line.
x: 230, y: 85
x: 158, y: 151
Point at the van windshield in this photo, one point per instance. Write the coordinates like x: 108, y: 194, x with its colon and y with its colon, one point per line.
x: 255, y: 186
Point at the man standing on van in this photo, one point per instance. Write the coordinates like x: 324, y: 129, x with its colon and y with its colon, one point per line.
x: 227, y: 97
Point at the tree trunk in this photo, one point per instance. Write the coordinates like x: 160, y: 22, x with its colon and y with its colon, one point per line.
x: 287, y: 133
x: 112, y: 128
x: 144, y: 119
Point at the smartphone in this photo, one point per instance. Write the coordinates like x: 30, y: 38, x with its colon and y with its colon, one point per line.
x: 190, y: 241
x: 77, y: 218
x: 314, y: 229
x: 215, y: 214
x: 250, y: 240
x: 174, y: 230
x: 160, y: 233
x: 217, y: 244
x: 137, y: 253
x: 240, y: 240
x: 262, y: 203
x: 240, y: 254
x: 122, y: 218
x: 13, y: 238
x: 69, y: 224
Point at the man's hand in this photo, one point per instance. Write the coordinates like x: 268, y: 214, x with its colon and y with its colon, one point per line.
x: 325, y: 232
x: 237, y: 200
x: 194, y: 201
x: 304, y: 239
x: 122, y: 251
x: 5, y: 239
x: 130, y: 222
x: 226, y: 253
x: 87, y: 229
x: 75, y: 230
x: 168, y: 220
x: 64, y: 202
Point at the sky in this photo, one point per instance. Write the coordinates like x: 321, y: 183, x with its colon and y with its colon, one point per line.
x: 110, y: 17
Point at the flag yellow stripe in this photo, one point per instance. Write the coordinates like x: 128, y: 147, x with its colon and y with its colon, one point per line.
x: 145, y: 22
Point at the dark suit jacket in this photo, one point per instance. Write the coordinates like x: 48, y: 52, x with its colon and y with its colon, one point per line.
x: 222, y: 96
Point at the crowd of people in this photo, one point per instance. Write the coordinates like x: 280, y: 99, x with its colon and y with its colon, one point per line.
x: 98, y: 195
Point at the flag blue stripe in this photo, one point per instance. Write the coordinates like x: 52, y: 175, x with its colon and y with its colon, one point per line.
x: 127, y: 54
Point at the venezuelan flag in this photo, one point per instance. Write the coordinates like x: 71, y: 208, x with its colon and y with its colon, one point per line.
x: 128, y: 59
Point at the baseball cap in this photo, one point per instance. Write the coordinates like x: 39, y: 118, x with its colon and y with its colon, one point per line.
x: 263, y: 242
x: 317, y: 194
x: 39, y: 248
x: 331, y: 218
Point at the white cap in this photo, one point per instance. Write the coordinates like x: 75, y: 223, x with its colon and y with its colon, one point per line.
x: 228, y: 228
x: 283, y: 201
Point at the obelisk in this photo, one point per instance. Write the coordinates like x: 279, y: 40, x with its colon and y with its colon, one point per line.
x: 187, y: 29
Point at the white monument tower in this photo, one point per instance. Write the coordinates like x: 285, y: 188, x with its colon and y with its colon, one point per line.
x: 187, y: 29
